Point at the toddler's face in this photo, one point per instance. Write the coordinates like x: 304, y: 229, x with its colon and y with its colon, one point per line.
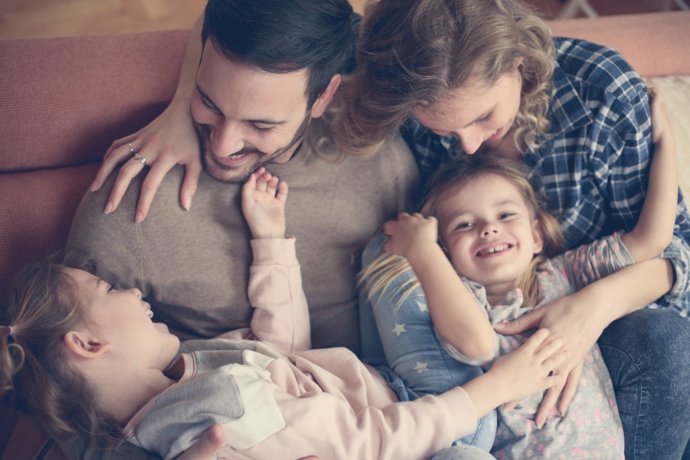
x: 122, y: 321
x: 489, y: 232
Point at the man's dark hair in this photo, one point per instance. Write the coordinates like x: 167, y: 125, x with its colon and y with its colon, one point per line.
x: 281, y: 36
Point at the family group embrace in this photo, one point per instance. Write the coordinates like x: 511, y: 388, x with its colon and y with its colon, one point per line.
x: 434, y: 231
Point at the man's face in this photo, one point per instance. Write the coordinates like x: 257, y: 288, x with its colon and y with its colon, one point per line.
x: 246, y: 117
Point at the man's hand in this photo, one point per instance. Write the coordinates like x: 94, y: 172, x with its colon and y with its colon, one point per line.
x: 263, y: 204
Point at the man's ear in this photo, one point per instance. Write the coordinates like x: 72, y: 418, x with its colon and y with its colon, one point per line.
x: 83, y: 345
x: 321, y: 103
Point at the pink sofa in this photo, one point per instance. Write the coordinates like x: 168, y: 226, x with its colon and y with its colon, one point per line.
x: 65, y: 99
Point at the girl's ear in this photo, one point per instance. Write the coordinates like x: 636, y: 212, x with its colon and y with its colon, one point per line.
x: 83, y: 345
x: 538, y: 235
x: 321, y: 103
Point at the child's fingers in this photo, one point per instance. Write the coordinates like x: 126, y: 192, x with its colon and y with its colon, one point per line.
x: 533, y: 343
x: 282, y: 191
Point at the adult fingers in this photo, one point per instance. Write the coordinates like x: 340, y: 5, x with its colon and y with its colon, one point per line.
x: 530, y: 320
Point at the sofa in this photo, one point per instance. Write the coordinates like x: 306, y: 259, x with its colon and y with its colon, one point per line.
x: 65, y: 99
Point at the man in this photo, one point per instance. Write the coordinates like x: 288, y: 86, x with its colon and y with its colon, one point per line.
x: 267, y: 73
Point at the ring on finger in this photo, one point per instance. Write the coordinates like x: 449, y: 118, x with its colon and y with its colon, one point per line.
x: 140, y: 158
x: 131, y: 149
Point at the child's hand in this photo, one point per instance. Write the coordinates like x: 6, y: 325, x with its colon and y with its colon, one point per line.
x: 530, y: 369
x: 409, y: 232
x: 263, y: 204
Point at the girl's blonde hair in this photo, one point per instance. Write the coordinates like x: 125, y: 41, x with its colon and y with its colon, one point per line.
x: 44, y: 306
x: 378, y: 276
x: 413, y: 53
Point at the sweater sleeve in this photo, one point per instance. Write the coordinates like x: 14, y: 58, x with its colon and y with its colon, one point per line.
x: 281, y: 315
x: 327, y: 426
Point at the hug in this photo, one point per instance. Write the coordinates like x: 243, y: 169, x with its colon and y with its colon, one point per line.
x: 261, y: 296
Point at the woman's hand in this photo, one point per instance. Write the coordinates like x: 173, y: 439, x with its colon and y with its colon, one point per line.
x: 580, y: 328
x: 167, y: 141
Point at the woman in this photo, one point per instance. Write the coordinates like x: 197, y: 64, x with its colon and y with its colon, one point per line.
x: 465, y: 75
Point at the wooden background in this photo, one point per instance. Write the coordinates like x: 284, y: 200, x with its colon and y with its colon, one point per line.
x: 49, y: 18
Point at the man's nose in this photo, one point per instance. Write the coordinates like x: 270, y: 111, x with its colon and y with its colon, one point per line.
x: 226, y: 138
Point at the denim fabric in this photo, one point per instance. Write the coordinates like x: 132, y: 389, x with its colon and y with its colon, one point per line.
x: 418, y: 365
x: 463, y: 453
x: 646, y: 353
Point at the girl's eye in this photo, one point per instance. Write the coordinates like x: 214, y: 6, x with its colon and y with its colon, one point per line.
x: 506, y: 215
x: 464, y: 226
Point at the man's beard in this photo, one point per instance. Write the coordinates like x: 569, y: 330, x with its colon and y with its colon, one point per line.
x: 217, y: 170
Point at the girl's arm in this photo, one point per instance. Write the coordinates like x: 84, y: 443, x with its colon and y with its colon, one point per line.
x: 281, y: 314
x: 168, y: 140
x: 456, y: 315
x: 654, y: 228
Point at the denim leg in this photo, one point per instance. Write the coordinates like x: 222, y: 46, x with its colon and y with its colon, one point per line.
x: 648, y: 356
x: 403, y: 337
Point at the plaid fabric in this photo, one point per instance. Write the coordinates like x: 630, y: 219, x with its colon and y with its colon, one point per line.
x: 591, y: 168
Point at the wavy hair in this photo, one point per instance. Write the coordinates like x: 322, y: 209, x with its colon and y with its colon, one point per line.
x: 413, y: 53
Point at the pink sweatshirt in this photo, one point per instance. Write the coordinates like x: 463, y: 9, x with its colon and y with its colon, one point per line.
x: 333, y: 405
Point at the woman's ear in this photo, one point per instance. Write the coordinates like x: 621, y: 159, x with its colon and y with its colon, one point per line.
x: 84, y: 345
x: 325, y: 98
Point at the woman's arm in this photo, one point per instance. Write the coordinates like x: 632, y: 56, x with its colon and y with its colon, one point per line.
x: 654, y: 229
x: 167, y: 141
x: 580, y: 318
x: 456, y: 315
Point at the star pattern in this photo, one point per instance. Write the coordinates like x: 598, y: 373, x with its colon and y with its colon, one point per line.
x: 399, y: 329
x: 421, y: 367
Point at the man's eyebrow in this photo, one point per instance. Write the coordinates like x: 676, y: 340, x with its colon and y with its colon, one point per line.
x: 262, y: 121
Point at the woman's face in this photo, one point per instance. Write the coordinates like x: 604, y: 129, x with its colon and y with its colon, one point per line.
x: 477, y: 113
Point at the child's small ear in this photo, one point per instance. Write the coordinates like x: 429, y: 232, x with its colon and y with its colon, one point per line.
x: 82, y: 345
x: 538, y: 236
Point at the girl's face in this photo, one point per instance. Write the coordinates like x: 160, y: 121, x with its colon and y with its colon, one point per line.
x: 489, y: 232
x: 121, y: 321
x: 477, y: 113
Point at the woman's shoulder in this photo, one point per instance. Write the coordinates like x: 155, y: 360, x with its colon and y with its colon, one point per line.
x: 598, y: 72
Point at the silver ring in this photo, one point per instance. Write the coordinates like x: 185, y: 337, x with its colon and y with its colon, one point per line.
x: 140, y: 157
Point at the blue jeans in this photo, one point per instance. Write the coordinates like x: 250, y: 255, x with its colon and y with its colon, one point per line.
x: 648, y: 356
x: 413, y: 362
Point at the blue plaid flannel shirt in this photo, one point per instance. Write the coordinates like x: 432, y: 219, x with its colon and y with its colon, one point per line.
x: 592, y: 167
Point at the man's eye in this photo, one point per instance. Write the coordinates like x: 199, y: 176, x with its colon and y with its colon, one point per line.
x: 262, y: 128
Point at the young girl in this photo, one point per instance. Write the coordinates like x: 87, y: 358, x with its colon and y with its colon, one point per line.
x: 87, y: 357
x: 503, y: 245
